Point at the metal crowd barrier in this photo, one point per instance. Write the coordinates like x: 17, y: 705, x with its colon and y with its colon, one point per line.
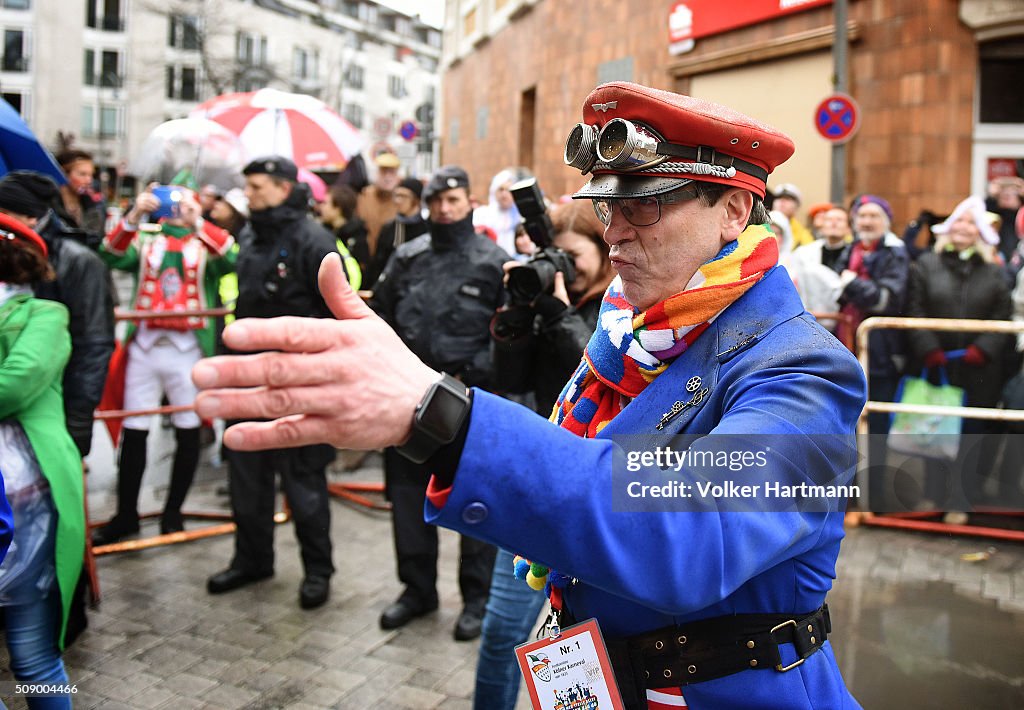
x: 918, y: 520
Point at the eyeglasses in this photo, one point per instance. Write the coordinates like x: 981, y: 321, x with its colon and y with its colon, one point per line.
x: 640, y: 211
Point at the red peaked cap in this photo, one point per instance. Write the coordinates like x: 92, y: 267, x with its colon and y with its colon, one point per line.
x: 684, y: 120
x: 21, y: 232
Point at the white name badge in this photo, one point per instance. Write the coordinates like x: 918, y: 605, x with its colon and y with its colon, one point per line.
x: 571, y: 671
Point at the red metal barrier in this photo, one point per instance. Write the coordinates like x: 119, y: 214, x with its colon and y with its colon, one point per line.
x: 919, y: 521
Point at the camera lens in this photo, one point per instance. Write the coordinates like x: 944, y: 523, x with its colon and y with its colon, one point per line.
x: 527, y: 282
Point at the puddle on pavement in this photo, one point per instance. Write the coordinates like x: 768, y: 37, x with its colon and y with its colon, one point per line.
x: 926, y: 646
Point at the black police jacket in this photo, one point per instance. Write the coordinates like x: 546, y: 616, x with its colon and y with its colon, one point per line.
x: 279, y: 256
x: 439, y: 292
x: 83, y: 285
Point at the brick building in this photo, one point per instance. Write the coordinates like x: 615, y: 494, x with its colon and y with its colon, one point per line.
x: 937, y: 82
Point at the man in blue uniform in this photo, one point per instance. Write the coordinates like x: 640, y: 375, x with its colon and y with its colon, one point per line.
x: 700, y: 337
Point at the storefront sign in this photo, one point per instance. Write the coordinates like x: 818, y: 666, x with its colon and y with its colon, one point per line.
x: 690, y: 19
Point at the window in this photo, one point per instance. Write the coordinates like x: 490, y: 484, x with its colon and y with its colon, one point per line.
x: 14, y: 51
x: 355, y: 75
x: 353, y: 113
x: 403, y: 26
x: 88, y: 122
x: 107, y: 74
x: 251, y: 49
x: 183, y: 32
x: 1000, y: 66
x: 89, y: 67
x: 108, y: 122
x: 305, y: 64
x: 182, y: 83
x: 469, y: 23
x: 16, y: 4
x: 482, y: 115
x: 396, y: 87
x: 108, y: 125
x: 368, y: 13
x: 16, y: 100
x: 109, y: 65
x: 104, y: 15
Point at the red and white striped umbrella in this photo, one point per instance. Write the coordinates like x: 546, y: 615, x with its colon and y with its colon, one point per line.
x: 300, y: 127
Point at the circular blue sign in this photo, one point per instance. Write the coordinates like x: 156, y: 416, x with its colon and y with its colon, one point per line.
x: 408, y: 130
x: 837, y: 118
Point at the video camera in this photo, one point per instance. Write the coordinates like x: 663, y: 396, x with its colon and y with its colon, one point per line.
x: 537, y: 276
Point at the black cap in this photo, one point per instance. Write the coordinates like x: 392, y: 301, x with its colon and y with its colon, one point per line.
x: 274, y: 166
x: 414, y: 185
x: 448, y: 177
x: 28, y: 193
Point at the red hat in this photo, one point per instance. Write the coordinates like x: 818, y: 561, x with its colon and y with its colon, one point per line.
x: 11, y: 228
x: 658, y: 141
x: 819, y: 207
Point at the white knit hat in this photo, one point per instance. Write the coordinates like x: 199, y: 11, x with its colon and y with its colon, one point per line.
x: 977, y: 208
x: 236, y: 198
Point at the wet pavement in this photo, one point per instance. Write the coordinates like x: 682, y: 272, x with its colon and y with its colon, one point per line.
x: 915, y: 624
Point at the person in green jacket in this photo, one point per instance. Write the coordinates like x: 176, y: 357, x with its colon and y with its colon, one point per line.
x: 34, y: 348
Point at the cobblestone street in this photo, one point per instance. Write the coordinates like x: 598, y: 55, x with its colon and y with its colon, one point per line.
x: 915, y: 625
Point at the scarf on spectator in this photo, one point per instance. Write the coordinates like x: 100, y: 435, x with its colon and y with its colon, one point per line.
x: 630, y: 348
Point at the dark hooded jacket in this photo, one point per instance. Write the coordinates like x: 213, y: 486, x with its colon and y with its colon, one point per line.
x: 279, y: 257
x: 439, y: 292
x: 83, y: 285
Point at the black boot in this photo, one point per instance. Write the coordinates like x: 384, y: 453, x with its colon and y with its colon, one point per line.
x: 130, y: 467
x: 183, y: 471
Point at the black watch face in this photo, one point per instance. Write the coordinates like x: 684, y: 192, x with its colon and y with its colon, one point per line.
x: 442, y: 415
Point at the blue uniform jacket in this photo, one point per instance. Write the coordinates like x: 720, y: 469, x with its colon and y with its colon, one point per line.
x: 529, y: 486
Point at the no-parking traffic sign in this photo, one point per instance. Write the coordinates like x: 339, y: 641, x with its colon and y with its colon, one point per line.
x: 837, y: 118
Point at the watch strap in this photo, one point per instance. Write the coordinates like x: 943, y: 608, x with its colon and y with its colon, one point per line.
x: 424, y: 443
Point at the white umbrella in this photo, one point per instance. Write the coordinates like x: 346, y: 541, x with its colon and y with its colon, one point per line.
x: 210, y: 153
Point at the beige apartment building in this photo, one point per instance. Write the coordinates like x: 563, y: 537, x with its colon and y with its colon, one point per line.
x: 108, y: 71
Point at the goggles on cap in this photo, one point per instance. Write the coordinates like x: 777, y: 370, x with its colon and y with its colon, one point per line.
x: 622, y: 145
x: 640, y: 211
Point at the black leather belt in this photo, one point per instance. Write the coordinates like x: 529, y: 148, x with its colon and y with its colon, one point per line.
x: 711, y: 648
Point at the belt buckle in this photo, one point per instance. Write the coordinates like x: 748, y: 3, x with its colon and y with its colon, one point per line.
x: 780, y: 668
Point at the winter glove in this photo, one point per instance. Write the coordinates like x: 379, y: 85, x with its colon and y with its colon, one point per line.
x: 936, y: 358
x: 548, y: 307
x: 975, y: 356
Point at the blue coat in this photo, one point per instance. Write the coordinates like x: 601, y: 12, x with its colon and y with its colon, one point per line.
x: 771, y: 370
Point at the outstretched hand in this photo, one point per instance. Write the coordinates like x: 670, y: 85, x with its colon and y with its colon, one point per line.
x: 349, y: 382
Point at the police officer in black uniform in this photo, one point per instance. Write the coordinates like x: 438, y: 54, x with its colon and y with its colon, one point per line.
x: 280, y: 253
x: 439, y: 292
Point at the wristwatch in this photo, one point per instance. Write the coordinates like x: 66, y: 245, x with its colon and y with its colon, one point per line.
x: 439, y: 417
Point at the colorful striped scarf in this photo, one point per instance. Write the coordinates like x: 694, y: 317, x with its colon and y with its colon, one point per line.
x: 630, y: 349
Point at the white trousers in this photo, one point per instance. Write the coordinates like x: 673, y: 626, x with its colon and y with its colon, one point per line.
x: 163, y: 369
